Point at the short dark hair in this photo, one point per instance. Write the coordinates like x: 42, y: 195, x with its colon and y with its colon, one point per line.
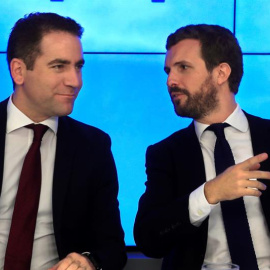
x: 218, y: 45
x: 27, y: 33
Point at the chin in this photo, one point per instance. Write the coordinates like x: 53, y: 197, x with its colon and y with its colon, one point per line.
x: 64, y: 112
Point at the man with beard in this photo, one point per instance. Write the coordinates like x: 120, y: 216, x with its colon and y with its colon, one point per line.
x: 181, y: 215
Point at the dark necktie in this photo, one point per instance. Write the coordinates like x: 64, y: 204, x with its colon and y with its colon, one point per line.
x: 233, y: 212
x: 21, y: 237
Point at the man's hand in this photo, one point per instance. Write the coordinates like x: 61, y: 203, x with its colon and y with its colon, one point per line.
x: 236, y: 181
x: 74, y: 261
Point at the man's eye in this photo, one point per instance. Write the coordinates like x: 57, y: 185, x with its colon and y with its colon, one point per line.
x: 184, y: 67
x: 79, y: 67
x: 58, y: 67
x: 167, y: 70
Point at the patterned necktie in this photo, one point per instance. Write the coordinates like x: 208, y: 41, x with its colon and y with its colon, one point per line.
x: 21, y: 237
x: 233, y: 212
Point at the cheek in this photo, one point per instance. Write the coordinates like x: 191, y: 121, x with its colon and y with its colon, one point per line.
x: 196, y: 83
x: 81, y: 84
x: 50, y: 85
x: 42, y: 90
x: 80, y: 80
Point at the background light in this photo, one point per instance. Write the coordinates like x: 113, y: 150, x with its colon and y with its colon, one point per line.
x: 124, y: 90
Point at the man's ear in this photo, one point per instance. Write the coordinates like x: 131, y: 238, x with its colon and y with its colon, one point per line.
x: 223, y: 73
x: 17, y: 70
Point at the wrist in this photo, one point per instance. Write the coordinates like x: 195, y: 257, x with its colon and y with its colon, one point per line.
x: 92, y: 259
x: 210, y: 193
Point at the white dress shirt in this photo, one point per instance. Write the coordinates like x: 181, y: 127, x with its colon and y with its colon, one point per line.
x: 18, y: 141
x: 238, y: 136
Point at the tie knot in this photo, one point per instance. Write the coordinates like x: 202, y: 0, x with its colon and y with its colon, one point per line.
x: 39, y: 131
x: 218, y: 129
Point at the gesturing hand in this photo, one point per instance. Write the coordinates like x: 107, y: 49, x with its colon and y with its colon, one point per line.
x: 237, y: 181
x: 74, y: 261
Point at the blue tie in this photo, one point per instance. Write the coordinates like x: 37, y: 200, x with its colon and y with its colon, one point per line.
x: 233, y: 212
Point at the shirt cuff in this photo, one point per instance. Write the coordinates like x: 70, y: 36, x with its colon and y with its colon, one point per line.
x: 199, y: 208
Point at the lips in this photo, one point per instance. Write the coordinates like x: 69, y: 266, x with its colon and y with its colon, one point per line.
x: 176, y: 95
x: 67, y: 94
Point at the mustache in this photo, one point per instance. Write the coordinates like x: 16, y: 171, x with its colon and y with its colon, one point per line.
x: 177, y: 89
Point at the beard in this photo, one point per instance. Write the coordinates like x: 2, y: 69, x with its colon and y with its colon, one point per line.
x: 199, y: 104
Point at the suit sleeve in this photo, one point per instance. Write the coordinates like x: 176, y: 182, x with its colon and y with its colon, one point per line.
x: 107, y: 230
x: 162, y: 221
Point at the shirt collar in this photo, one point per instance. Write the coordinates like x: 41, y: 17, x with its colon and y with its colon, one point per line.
x: 237, y: 120
x: 16, y: 119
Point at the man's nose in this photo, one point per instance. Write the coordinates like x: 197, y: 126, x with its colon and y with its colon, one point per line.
x: 172, y: 80
x: 74, y: 78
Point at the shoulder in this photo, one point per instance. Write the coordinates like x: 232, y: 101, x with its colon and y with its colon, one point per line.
x: 178, y: 136
x: 179, y: 139
x: 3, y: 104
x: 81, y: 131
x: 3, y: 109
x: 256, y: 121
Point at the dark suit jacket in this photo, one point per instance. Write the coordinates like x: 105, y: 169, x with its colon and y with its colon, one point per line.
x: 85, y: 187
x: 175, y: 168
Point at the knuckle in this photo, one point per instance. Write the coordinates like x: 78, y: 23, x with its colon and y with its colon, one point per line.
x: 84, y: 260
x: 238, y: 185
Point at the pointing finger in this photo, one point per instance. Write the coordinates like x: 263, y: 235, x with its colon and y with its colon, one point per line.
x: 253, y: 162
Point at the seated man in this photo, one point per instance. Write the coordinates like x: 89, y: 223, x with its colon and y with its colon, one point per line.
x: 62, y: 212
x: 198, y: 205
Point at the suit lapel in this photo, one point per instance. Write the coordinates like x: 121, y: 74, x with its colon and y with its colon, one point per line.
x: 191, y: 158
x: 3, y: 124
x: 260, y: 137
x: 260, y: 132
x: 65, y: 149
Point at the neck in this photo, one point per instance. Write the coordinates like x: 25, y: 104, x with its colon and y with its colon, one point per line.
x: 221, y: 112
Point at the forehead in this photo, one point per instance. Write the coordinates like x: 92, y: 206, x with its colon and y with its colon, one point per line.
x: 61, y: 45
x: 187, y: 50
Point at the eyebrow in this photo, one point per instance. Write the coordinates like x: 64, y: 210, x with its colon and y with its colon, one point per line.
x: 81, y: 62
x: 183, y: 62
x: 65, y: 62
x: 59, y: 61
x: 178, y: 63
